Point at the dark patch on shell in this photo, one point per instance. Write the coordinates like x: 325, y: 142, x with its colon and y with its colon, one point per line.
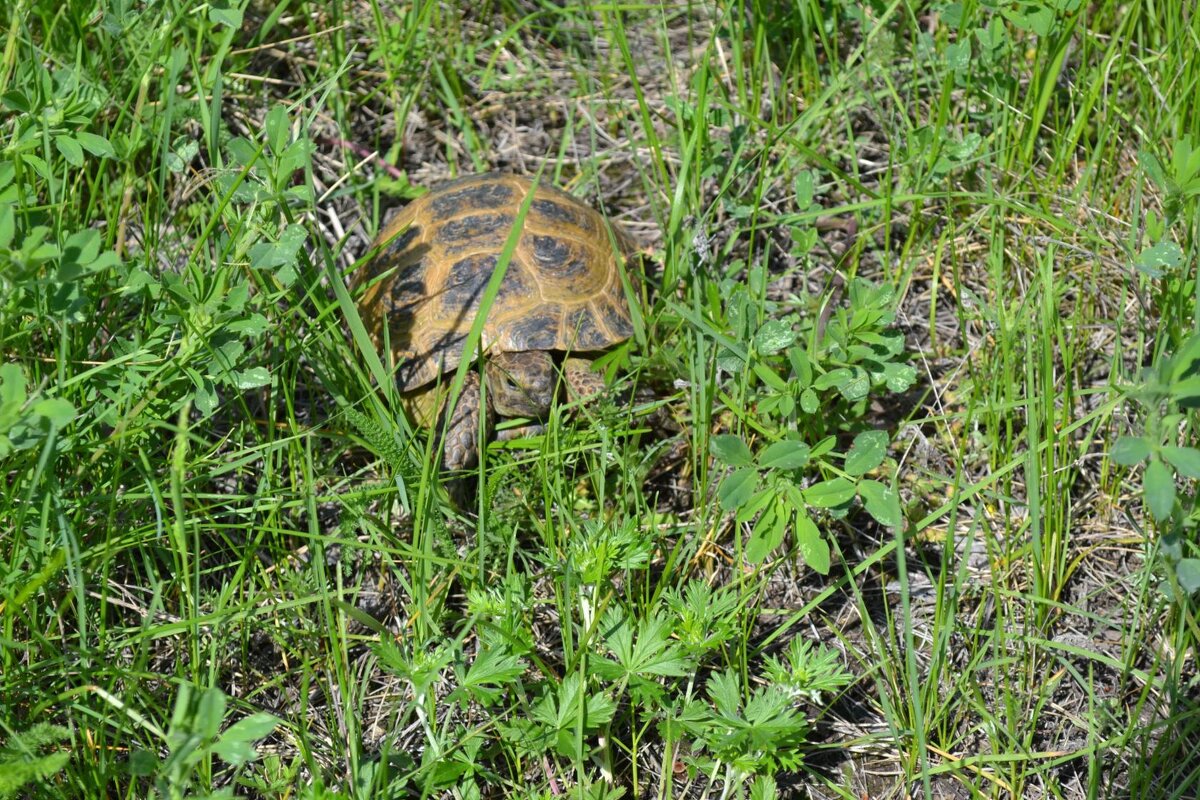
x: 405, y: 293
x: 473, y: 227
x: 537, y: 331
x: 443, y: 353
x: 555, y: 212
x: 466, y: 282
x: 557, y: 258
x: 516, y: 287
x: 401, y: 243
x: 480, y: 197
x: 582, y: 333
x: 617, y: 321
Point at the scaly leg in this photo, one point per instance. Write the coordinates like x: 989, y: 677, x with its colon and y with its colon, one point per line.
x: 582, y: 383
x: 461, y: 448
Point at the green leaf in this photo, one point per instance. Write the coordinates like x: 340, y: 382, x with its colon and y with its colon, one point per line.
x: 234, y: 751
x: 12, y: 389
x: 205, y: 397
x: 882, y: 502
x: 813, y: 547
x: 220, y: 14
x: 729, y: 361
x: 1187, y: 572
x: 835, y: 377
x: 731, y: 449
x: 824, y: 446
x: 653, y: 654
x: 858, y: 386
x: 830, y: 493
x: 763, y: 788
x: 16, y: 101
x: 252, y: 325
x: 804, y: 185
x: 1038, y: 18
x: 768, y: 532
x: 1185, y: 460
x: 80, y: 255
x: 1183, y: 362
x: 252, y: 728
x: 7, y: 225
x: 899, y: 377
x: 142, y: 763
x: 758, y: 502
x: 887, y: 343
x: 1130, y: 450
x: 1170, y: 547
x: 234, y: 745
x: 276, y: 125
x: 1155, y: 261
x: 787, y: 454
x: 774, y: 335
x: 724, y: 689
x: 801, y: 365
x: 279, y: 253
x: 58, y: 411
x: 70, y: 150
x: 295, y: 157
x: 961, y: 151
x: 1159, y: 485
x: 737, y: 488
x: 210, y: 711
x: 184, y: 153
x: 251, y: 378
x: 490, y: 674
x: 572, y: 708
x: 809, y: 402
x: 1187, y: 389
x: 96, y: 145
x: 958, y: 55
x: 868, y: 452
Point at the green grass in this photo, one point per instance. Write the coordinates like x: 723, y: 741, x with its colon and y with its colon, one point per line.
x: 897, y: 545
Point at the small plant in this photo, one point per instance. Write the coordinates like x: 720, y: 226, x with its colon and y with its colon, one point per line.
x: 194, y: 738
x: 759, y: 731
x: 1169, y: 396
x: 29, y: 758
x: 26, y: 422
x: 634, y: 674
x: 810, y: 383
x: 1163, y: 260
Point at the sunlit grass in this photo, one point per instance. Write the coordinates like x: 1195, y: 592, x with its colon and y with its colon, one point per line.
x: 209, y: 483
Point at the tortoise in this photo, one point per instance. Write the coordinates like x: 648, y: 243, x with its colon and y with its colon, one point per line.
x: 561, y: 302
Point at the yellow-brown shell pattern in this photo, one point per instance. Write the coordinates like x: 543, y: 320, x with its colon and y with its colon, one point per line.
x: 562, y: 290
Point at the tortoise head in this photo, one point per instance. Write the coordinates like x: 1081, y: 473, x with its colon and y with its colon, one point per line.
x: 521, y: 384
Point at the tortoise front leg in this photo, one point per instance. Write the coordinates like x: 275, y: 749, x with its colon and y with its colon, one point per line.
x: 461, y: 448
x: 582, y: 382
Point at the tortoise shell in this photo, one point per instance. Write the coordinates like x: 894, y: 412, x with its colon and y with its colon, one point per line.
x: 562, y: 290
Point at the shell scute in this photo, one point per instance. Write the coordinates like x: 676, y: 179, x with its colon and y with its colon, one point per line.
x: 479, y: 197
x: 537, y: 330
x: 554, y: 212
x: 475, y: 229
